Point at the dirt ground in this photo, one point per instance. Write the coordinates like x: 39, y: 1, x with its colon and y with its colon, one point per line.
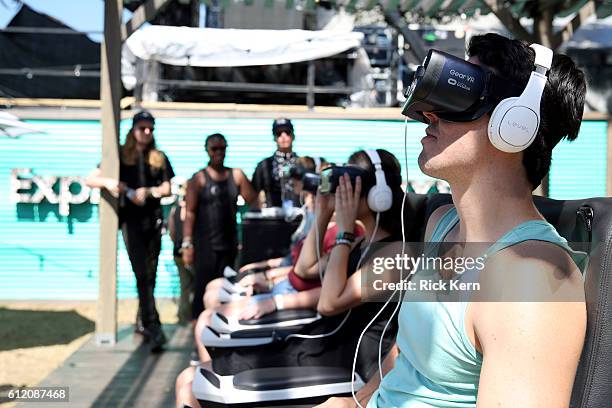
x: 37, y: 336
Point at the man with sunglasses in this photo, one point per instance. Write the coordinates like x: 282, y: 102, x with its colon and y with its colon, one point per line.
x: 144, y: 178
x: 271, y: 174
x: 210, y: 240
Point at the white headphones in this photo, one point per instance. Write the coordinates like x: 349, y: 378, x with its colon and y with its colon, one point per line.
x: 380, y: 197
x: 515, y: 121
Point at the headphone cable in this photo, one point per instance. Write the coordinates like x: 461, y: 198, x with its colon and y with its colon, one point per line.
x: 394, y: 292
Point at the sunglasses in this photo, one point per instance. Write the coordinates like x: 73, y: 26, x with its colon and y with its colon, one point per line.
x: 279, y: 133
x: 141, y: 128
x: 217, y: 148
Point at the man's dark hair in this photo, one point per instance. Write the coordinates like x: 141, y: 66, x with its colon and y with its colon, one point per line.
x: 562, y: 103
x: 216, y: 137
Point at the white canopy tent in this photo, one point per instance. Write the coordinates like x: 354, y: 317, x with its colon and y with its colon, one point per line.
x: 213, y: 47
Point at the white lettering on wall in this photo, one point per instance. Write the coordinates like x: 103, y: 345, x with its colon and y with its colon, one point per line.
x: 29, y: 188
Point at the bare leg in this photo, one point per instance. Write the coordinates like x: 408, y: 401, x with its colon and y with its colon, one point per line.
x: 183, y: 393
x: 215, y: 283
x: 203, y: 320
x: 228, y: 309
x: 211, y: 293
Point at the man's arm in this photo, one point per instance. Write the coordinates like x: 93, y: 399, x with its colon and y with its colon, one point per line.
x: 163, y: 190
x: 246, y: 189
x: 257, y: 182
x: 530, y: 348
x: 171, y: 226
x: 191, y: 205
x: 96, y: 180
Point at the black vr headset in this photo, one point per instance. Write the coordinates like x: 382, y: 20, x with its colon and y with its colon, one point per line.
x: 454, y: 89
x: 458, y: 91
x: 330, y: 178
x: 311, y: 182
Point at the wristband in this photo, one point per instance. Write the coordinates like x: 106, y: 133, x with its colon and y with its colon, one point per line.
x: 348, y: 236
x: 279, y: 302
x: 341, y: 241
x: 186, y: 245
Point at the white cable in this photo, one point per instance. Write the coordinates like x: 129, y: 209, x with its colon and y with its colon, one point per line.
x: 320, y: 336
x: 401, y: 279
x: 395, y: 291
x: 367, y: 326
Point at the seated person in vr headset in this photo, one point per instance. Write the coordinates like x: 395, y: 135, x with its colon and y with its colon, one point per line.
x: 493, y: 152
x: 274, y: 271
x: 332, y: 341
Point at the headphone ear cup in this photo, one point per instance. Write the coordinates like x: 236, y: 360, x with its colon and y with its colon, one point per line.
x: 495, y: 128
x: 380, y: 198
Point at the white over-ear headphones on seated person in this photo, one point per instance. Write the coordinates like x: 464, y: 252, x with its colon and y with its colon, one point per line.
x: 515, y: 121
x: 380, y: 197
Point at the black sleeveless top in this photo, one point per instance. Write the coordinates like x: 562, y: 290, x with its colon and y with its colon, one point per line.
x: 215, y: 223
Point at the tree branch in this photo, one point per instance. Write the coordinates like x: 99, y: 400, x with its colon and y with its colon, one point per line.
x: 508, y: 20
x: 586, y: 11
x: 142, y: 14
x: 395, y: 20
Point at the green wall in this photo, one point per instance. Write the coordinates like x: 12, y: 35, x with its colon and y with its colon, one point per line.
x: 44, y: 255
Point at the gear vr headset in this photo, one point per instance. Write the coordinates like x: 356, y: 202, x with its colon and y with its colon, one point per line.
x: 459, y: 91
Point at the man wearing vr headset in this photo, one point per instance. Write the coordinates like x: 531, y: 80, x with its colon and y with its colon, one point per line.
x: 492, y: 124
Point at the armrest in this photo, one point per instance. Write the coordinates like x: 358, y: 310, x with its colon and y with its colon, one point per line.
x: 274, y: 333
x: 240, y: 275
x: 280, y: 316
x: 275, y: 320
x: 277, y: 378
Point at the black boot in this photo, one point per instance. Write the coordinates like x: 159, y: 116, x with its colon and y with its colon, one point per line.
x: 157, y: 339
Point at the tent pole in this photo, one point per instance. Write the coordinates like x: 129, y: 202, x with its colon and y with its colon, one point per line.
x: 110, y: 95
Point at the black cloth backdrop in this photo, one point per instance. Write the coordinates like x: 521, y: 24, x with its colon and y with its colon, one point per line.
x: 50, y: 51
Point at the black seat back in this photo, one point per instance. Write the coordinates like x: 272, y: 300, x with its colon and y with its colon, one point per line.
x: 587, y: 225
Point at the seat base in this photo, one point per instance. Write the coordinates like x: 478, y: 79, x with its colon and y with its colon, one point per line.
x: 296, y: 403
x: 267, y: 385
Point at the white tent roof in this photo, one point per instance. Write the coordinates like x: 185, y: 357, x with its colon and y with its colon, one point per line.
x: 214, y: 47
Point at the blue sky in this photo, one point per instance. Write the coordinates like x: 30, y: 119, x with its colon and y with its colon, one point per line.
x: 82, y: 15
